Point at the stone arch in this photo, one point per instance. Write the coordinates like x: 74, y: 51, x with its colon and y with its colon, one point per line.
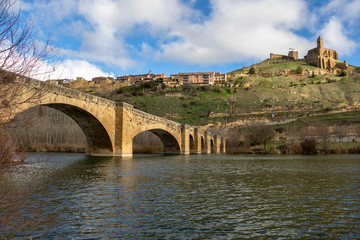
x: 147, y: 142
x: 97, y: 137
x: 191, y: 144
x: 171, y: 145
x: 203, y: 146
x: 212, y: 146
x: 222, y: 146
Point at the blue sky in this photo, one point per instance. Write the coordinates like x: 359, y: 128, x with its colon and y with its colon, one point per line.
x: 117, y: 37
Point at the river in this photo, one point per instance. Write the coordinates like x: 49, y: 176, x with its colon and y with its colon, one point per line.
x: 70, y: 196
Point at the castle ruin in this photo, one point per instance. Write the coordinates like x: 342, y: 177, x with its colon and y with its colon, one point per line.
x: 292, y: 55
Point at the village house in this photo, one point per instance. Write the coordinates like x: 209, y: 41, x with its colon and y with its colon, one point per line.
x: 199, y: 78
x: 103, y: 80
x: 60, y: 82
x: 140, y: 78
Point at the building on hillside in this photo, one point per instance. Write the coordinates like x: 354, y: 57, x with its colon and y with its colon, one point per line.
x: 323, y: 57
x: 292, y: 55
x: 140, y: 78
x: 103, y: 80
x: 80, y: 79
x: 199, y: 78
x: 169, y: 81
x: 60, y: 82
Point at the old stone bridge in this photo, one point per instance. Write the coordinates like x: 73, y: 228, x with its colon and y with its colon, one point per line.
x: 111, y: 126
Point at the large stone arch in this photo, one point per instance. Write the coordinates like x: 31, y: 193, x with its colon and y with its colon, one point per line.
x: 171, y: 144
x: 97, y: 136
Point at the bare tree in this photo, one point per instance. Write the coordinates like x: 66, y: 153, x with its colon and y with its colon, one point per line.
x: 340, y: 131
x: 21, y: 57
x: 302, y: 132
x: 259, y: 134
x: 323, y: 134
x: 357, y: 131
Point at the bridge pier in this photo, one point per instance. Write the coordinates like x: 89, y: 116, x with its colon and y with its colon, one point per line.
x: 185, y: 139
x: 207, y: 143
x: 217, y: 144
x: 223, y: 145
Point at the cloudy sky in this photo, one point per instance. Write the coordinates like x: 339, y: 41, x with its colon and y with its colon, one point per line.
x: 117, y: 37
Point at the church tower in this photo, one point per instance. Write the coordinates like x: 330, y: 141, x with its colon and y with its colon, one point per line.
x: 320, y: 42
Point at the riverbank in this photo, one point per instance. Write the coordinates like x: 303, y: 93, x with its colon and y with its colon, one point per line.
x: 296, y: 148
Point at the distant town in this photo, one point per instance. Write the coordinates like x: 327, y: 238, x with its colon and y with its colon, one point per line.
x: 128, y: 80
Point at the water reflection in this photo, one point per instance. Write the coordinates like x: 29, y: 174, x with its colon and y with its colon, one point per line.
x: 197, y: 196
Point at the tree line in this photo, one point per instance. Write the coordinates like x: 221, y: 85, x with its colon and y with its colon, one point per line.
x: 306, y: 138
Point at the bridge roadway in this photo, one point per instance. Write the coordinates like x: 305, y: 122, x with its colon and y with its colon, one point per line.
x: 111, y: 126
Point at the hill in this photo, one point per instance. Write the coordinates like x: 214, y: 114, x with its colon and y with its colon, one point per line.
x: 276, y: 66
x: 247, y: 98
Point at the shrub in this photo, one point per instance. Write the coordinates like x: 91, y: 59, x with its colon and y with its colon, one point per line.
x: 185, y: 105
x: 206, y: 88
x: 195, y: 102
x: 290, y: 148
x: 274, y: 151
x: 280, y: 129
x: 354, y: 150
x: 344, y: 73
x: 308, y: 146
x: 189, y: 88
x: 219, y: 90
x: 252, y: 70
x: 299, y: 70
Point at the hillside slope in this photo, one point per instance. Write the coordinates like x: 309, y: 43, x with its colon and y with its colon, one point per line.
x: 245, y: 98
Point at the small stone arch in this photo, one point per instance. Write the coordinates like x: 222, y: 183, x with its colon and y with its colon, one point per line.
x: 96, y: 135
x: 203, y: 146
x: 191, y: 144
x: 171, y: 145
x: 212, y: 146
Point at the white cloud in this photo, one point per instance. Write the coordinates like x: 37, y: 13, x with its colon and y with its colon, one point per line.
x: 340, y: 19
x: 116, y: 32
x: 335, y: 38
x: 345, y: 10
x: 77, y: 68
x: 239, y: 30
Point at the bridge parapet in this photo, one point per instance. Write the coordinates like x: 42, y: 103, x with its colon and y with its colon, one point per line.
x: 45, y: 87
x: 149, y: 117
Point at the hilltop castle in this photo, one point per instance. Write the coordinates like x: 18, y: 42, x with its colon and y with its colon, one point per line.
x: 321, y: 57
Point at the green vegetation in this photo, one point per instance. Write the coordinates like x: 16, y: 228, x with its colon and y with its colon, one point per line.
x: 299, y: 70
x: 252, y: 70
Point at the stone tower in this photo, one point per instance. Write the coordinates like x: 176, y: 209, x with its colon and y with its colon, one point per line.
x: 320, y: 42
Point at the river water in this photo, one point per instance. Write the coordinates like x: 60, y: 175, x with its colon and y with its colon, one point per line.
x: 70, y: 196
